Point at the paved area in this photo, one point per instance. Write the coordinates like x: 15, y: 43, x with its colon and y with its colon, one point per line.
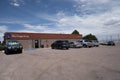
x: 102, y: 63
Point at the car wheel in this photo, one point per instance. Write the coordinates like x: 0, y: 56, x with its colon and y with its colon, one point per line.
x: 89, y: 46
x: 20, y: 51
x: 97, y: 46
x: 52, y: 47
x: 85, y: 45
x: 6, y: 51
x: 67, y: 48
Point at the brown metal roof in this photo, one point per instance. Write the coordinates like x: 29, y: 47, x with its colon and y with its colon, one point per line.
x: 24, y: 36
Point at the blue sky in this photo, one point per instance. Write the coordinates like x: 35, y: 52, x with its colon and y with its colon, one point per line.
x: 99, y: 17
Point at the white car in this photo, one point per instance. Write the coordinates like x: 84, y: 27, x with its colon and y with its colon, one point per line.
x: 75, y: 45
x: 86, y: 43
x: 95, y: 43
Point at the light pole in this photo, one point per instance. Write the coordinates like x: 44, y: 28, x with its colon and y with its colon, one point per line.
x: 118, y: 37
x: 111, y: 38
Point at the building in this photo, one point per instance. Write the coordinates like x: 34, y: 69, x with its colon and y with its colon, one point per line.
x: 37, y: 40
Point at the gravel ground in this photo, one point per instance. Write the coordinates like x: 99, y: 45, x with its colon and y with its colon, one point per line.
x: 98, y: 63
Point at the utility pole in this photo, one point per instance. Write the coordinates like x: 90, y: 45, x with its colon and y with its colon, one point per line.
x: 118, y: 37
x: 111, y: 38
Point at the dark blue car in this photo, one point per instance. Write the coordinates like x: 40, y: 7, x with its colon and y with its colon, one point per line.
x: 60, y: 44
x: 110, y: 43
x: 13, y: 46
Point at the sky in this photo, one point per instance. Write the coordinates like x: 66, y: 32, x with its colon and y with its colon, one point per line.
x: 98, y: 17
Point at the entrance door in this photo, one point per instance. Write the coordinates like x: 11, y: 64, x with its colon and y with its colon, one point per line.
x: 36, y: 44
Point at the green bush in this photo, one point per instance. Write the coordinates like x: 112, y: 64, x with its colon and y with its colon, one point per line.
x: 1, y: 47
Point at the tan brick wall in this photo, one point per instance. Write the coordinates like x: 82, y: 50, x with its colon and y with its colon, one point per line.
x: 26, y: 43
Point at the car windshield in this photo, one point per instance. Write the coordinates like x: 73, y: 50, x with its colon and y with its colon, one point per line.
x: 64, y: 42
x: 87, y: 40
x: 13, y: 43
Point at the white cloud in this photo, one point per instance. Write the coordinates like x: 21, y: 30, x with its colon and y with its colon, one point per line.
x: 17, y: 3
x: 95, y: 23
x: 70, y: 21
x: 13, y: 21
x: 107, y: 23
x: 3, y: 29
x: 87, y: 7
x: 43, y: 29
x: 34, y: 27
x: 29, y: 31
x: 95, y: 1
x: 38, y: 1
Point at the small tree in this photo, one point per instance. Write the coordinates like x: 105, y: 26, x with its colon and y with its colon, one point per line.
x: 90, y: 37
x: 75, y: 32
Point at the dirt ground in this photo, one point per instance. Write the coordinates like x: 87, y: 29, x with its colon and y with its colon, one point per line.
x: 98, y: 63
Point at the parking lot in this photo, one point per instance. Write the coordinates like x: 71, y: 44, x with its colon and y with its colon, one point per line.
x: 97, y: 63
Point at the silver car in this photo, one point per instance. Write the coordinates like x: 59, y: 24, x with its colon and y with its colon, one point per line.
x: 75, y: 45
x: 95, y: 43
x: 86, y: 43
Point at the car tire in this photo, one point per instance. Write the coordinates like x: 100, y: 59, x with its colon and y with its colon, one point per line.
x: 20, y: 51
x: 89, y: 46
x: 97, y: 46
x: 67, y: 48
x: 6, y: 51
x: 52, y: 47
x: 84, y: 45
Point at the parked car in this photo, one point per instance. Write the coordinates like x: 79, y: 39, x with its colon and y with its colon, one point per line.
x: 75, y: 45
x: 60, y: 44
x: 95, y: 43
x: 86, y: 43
x: 13, y: 46
x: 110, y: 43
